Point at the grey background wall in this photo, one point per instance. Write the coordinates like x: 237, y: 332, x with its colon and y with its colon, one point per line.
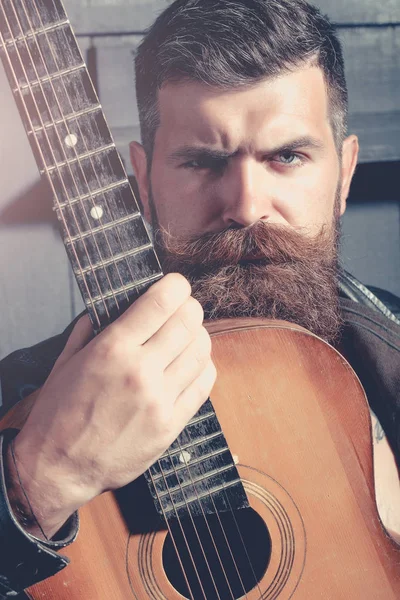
x: 37, y: 294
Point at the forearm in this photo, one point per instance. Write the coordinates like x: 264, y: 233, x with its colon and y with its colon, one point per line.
x: 25, y: 560
x: 36, y: 519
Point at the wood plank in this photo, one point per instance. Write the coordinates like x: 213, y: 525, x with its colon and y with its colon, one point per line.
x: 370, y: 243
x: 379, y: 135
x: 126, y: 15
x: 34, y: 290
x: 372, y: 59
x: 360, y: 11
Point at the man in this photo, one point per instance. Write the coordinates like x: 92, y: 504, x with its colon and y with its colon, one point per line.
x: 244, y: 173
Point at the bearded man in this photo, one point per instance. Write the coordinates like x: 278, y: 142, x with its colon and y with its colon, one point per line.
x: 244, y: 171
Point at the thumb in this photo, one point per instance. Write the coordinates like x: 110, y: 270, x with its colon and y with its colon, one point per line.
x: 81, y: 334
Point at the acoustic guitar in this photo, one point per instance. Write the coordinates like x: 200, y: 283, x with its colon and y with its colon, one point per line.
x: 269, y: 491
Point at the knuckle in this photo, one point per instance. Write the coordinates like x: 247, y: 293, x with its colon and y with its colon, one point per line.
x: 190, y: 315
x: 144, y: 374
x: 110, y: 347
x: 159, y: 416
x: 210, y: 376
x: 170, y: 292
x: 205, y: 340
x: 196, y: 309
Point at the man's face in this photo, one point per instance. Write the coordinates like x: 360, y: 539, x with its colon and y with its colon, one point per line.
x: 233, y: 160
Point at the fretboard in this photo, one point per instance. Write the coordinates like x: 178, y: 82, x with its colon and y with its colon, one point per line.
x: 105, y: 236
x: 103, y: 231
x: 197, y: 473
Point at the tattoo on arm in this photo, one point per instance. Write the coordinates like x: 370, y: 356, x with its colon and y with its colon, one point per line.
x: 379, y: 434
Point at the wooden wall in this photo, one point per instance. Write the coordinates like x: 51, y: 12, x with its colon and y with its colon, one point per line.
x: 37, y: 297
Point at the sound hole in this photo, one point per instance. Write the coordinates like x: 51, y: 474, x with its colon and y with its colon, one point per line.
x: 223, y: 557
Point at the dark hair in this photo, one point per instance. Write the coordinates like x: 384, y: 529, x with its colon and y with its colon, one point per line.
x: 234, y: 43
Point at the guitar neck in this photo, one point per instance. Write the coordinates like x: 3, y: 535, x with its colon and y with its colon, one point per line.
x: 103, y: 231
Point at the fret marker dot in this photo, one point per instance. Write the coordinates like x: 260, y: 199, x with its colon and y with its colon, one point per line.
x: 96, y: 212
x: 184, y: 457
x: 235, y: 458
x: 71, y: 140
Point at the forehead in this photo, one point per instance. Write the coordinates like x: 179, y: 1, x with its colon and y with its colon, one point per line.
x: 293, y: 104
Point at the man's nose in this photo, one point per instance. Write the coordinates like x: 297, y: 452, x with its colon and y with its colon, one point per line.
x: 244, y: 194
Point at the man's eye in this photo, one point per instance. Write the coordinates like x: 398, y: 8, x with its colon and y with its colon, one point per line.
x: 205, y: 163
x: 288, y: 158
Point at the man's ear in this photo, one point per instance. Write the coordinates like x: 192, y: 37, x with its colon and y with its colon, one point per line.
x: 139, y: 165
x: 349, y: 163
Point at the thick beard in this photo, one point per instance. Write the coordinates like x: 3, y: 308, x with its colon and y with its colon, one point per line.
x: 262, y: 271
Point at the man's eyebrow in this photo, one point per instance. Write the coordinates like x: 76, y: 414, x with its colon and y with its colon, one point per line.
x: 196, y: 152
x: 306, y: 142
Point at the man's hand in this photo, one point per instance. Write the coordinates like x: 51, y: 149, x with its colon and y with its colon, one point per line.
x: 111, y: 407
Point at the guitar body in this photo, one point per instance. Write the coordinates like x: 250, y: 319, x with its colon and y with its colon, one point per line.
x: 293, y: 413
x: 297, y: 422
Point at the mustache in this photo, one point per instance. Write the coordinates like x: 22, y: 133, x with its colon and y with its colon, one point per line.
x: 261, y: 243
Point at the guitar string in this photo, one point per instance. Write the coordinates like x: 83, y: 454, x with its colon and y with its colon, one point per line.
x: 222, y: 528
x: 55, y: 61
x: 27, y: 79
x: 187, y: 504
x: 31, y: 125
x: 45, y: 168
x: 89, y: 223
x: 197, y: 495
x: 83, y: 138
x: 63, y: 153
x: 219, y: 520
x: 126, y: 248
x: 181, y: 528
x: 205, y: 518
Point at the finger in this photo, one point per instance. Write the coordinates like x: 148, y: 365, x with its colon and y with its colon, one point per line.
x: 191, y: 399
x: 188, y: 365
x: 177, y: 333
x: 149, y: 313
x: 81, y: 334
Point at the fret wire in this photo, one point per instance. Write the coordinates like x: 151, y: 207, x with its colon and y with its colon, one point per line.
x: 129, y: 287
x: 202, y: 440
x: 105, y: 235
x: 51, y: 76
x: 95, y: 193
x: 13, y: 73
x: 197, y: 419
x: 117, y: 257
x: 208, y: 493
x: 194, y: 461
x: 80, y: 157
x: 21, y: 38
x: 69, y: 117
x: 61, y: 145
x: 200, y: 478
x: 100, y: 229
